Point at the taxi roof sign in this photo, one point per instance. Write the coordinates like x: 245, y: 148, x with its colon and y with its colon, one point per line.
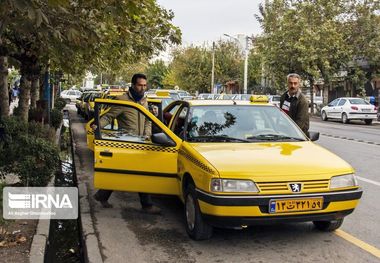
x: 162, y: 93
x: 259, y: 98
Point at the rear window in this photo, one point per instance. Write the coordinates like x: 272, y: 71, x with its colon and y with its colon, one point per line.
x: 359, y: 101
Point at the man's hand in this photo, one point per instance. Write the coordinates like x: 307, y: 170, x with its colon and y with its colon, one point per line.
x: 93, y: 127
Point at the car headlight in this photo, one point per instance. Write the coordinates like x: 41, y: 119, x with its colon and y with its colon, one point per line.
x: 231, y: 185
x: 341, y: 181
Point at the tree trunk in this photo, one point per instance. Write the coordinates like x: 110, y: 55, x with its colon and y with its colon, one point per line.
x: 34, y: 92
x: 4, y: 92
x: 23, y: 104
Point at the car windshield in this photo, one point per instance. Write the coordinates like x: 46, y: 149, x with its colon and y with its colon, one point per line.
x: 359, y: 101
x: 240, y: 123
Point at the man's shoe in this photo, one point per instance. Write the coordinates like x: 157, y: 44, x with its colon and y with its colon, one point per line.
x: 105, y: 204
x: 153, y: 210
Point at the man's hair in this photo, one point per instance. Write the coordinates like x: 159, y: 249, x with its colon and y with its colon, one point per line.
x: 293, y: 75
x: 137, y: 76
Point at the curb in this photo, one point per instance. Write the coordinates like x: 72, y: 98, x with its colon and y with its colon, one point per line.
x: 41, y: 237
x: 91, y: 244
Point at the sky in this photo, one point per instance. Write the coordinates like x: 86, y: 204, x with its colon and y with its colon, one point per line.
x: 204, y: 21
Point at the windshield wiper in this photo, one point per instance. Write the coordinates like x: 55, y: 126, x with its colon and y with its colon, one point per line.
x: 216, y: 138
x: 274, y: 137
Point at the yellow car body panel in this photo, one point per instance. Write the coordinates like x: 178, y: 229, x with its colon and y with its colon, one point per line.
x: 235, y: 160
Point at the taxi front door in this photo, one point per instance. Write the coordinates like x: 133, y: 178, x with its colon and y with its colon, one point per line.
x: 127, y: 162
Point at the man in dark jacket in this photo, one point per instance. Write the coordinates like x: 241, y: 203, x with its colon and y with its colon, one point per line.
x: 295, y: 104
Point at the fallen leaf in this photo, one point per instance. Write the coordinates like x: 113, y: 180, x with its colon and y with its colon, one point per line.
x: 20, y: 239
x: 16, y: 232
x: 3, y: 243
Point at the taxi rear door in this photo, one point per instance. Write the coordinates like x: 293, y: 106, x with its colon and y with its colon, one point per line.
x: 127, y: 162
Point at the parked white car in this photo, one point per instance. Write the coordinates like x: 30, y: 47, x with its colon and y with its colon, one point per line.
x: 275, y: 100
x: 347, y: 109
x: 70, y: 95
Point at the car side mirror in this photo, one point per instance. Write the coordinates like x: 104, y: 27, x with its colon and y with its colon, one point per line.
x: 329, y: 105
x: 314, y: 136
x: 162, y: 139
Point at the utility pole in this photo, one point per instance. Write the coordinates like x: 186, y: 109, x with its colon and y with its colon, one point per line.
x: 213, y: 66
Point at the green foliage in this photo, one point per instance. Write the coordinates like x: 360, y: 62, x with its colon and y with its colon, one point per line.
x: 191, y: 67
x: 56, y: 117
x: 317, y: 39
x: 156, y: 72
x: 25, y: 151
x: 59, y: 103
x: 38, y: 161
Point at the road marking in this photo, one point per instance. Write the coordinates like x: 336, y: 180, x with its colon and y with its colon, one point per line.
x: 368, y: 180
x: 350, y: 139
x: 357, y: 242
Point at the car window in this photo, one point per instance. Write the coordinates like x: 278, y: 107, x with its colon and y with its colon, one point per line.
x: 359, y: 101
x: 341, y: 102
x: 179, y: 122
x: 240, y: 122
x: 168, y: 114
x: 334, y: 102
x: 124, y: 123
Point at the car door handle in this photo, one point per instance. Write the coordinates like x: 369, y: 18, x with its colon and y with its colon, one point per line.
x: 107, y: 154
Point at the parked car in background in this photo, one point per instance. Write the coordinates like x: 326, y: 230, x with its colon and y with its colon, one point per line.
x: 70, y: 95
x: 349, y: 108
x: 275, y: 100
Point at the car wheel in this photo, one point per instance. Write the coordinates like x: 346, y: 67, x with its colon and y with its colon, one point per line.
x: 324, y: 116
x: 368, y: 122
x: 196, y: 228
x: 328, y: 226
x: 344, y: 118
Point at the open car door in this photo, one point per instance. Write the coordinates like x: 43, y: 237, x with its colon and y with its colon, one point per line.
x: 127, y: 162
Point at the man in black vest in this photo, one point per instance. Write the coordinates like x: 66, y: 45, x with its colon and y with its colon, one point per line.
x: 295, y: 104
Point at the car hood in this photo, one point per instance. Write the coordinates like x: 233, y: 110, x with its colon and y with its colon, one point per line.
x: 239, y: 160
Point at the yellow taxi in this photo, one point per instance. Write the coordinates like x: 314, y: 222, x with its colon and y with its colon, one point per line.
x: 232, y: 163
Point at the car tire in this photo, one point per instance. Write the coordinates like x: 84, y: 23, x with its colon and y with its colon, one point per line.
x: 324, y: 116
x: 368, y: 122
x: 345, y: 119
x: 328, y: 226
x: 196, y: 228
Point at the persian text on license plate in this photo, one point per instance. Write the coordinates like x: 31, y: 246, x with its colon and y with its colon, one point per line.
x: 295, y: 205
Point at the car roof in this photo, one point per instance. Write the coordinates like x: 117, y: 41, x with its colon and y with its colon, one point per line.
x: 225, y: 102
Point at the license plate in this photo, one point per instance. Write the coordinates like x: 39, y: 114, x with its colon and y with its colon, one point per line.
x: 295, y: 205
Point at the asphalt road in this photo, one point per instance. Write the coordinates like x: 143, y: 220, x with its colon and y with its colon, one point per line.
x: 127, y: 235
x: 355, y: 130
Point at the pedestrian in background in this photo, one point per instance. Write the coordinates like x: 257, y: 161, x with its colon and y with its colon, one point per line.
x: 295, y: 104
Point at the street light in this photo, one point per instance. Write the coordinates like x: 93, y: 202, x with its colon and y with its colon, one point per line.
x: 246, y: 53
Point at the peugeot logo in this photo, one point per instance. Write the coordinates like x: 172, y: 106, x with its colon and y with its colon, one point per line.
x: 295, y: 187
